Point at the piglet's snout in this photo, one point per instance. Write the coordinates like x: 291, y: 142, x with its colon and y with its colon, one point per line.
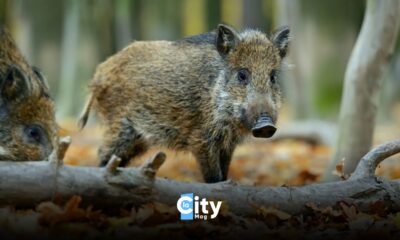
x: 264, y: 127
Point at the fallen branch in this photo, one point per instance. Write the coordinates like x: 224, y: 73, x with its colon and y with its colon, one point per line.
x: 29, y: 183
x: 311, y: 131
x: 367, y: 165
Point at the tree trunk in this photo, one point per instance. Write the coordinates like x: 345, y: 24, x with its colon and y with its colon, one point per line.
x: 69, y: 51
x: 390, y: 91
x: 194, y: 22
x: 231, y: 12
x: 363, y: 77
x: 29, y: 183
x: 21, y: 26
x: 297, y: 88
x: 122, y: 23
x: 252, y: 14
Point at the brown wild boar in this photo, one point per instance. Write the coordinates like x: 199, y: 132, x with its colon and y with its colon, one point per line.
x: 28, y: 130
x: 202, y: 94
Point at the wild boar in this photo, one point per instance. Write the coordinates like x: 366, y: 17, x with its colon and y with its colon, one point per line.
x: 28, y: 130
x: 202, y: 94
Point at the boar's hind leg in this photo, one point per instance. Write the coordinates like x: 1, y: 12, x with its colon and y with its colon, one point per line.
x: 123, y: 141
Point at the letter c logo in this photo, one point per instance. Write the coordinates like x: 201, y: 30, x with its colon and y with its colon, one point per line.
x: 183, y: 205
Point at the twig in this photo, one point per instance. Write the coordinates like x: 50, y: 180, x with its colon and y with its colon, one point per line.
x: 112, y: 165
x: 151, y: 165
x: 58, y: 154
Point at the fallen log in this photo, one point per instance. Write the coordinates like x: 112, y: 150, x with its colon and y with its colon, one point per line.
x: 29, y: 183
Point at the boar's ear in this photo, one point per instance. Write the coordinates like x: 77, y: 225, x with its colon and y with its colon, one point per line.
x: 14, y: 84
x: 281, y: 38
x: 227, y: 38
x: 41, y: 76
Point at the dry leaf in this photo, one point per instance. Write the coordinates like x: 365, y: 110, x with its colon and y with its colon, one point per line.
x: 350, y: 211
x: 52, y: 214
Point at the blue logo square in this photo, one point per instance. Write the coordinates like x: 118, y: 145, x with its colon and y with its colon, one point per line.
x: 185, y: 206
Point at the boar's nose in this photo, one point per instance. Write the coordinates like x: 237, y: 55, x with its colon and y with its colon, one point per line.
x: 264, y: 127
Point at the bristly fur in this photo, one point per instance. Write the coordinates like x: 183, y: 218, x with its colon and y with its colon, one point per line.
x: 24, y: 103
x: 186, y: 95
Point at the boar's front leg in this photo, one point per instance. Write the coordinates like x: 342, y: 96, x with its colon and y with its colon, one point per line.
x: 122, y: 140
x: 225, y: 160
x: 209, y: 162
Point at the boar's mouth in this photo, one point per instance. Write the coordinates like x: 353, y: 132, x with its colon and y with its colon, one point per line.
x: 264, y: 127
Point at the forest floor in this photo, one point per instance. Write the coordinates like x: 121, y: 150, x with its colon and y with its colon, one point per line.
x: 255, y: 162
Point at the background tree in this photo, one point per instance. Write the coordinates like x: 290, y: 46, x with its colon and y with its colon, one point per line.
x: 69, y: 54
x: 297, y: 84
x: 363, y: 79
x: 123, y: 35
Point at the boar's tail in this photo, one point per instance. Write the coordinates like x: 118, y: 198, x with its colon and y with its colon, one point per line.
x: 85, y: 113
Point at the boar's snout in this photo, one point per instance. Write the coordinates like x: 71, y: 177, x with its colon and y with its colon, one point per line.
x: 264, y: 127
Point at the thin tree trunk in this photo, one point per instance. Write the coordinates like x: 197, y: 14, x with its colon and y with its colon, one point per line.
x: 4, y: 8
x: 69, y: 51
x: 231, y: 12
x: 252, y: 13
x: 122, y: 23
x: 297, y: 88
x: 363, y: 78
x: 213, y: 15
x: 22, y: 28
x: 390, y: 91
x: 194, y: 22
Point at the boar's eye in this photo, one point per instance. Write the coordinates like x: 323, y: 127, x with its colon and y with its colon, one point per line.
x: 243, y: 76
x: 34, y: 134
x: 272, y: 76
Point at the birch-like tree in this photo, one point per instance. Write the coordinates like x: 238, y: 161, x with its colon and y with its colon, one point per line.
x: 363, y: 78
